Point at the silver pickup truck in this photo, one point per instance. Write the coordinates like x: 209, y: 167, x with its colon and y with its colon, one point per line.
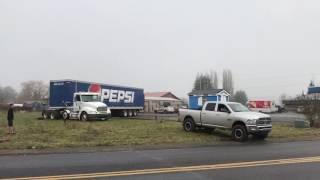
x: 227, y: 115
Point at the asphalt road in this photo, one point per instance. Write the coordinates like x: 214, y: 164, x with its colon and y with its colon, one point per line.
x: 253, y: 160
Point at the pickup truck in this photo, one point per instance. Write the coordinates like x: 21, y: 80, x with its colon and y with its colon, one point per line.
x: 227, y: 115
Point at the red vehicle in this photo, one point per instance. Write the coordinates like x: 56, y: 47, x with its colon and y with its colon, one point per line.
x: 265, y: 106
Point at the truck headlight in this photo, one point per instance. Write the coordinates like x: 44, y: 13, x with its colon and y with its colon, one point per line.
x: 251, y: 121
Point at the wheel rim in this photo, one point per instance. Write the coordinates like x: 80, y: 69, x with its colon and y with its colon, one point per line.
x: 84, y: 117
x: 188, y: 126
x: 65, y: 115
x: 51, y: 116
x: 238, y: 133
x: 44, y: 115
x: 125, y: 113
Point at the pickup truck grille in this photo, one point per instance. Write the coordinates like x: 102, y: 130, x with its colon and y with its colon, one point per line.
x: 102, y: 109
x: 262, y: 121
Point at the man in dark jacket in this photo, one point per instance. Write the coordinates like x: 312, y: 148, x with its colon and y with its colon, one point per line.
x: 10, y: 118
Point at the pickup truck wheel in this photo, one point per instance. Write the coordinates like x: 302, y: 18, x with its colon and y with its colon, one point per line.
x: 239, y: 133
x: 84, y: 116
x: 189, y: 125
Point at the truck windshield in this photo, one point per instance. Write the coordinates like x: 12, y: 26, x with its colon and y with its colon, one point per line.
x: 238, y: 108
x: 90, y: 98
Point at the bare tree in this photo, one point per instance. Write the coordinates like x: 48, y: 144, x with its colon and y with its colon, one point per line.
x: 227, y: 82
x: 240, y: 97
x: 7, y: 94
x: 33, y: 90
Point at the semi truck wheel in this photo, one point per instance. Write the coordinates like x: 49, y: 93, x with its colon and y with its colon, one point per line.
x: 44, y: 115
x: 84, y: 116
x: 53, y: 116
x: 239, y: 133
x: 189, y: 125
x: 65, y: 115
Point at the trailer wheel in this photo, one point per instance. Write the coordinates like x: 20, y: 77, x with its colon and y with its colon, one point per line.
x: 135, y: 113
x: 65, y: 115
x: 52, y: 116
x: 125, y: 113
x: 130, y: 113
x: 84, y: 116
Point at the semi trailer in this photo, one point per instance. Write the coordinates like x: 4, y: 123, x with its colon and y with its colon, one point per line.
x: 73, y: 99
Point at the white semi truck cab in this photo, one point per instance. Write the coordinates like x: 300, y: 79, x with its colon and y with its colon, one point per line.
x: 85, y: 106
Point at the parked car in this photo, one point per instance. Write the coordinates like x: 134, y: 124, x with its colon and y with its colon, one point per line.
x: 162, y: 109
x: 227, y: 115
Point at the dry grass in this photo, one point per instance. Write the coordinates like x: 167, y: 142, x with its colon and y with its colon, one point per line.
x: 44, y: 134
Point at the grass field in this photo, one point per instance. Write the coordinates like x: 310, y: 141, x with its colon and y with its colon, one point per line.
x: 45, y: 134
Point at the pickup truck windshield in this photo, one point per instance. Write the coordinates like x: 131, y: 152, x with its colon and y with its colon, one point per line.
x: 90, y: 98
x: 238, y: 108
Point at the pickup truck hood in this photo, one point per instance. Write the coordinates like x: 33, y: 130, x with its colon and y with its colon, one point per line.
x: 250, y: 115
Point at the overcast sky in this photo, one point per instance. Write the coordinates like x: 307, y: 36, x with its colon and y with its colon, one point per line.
x: 272, y: 46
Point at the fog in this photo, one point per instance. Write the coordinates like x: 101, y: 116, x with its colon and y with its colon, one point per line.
x: 271, y: 46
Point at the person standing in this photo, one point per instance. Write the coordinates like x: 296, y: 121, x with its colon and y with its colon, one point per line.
x: 10, y: 118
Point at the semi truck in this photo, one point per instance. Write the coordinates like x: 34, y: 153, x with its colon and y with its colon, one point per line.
x: 73, y: 99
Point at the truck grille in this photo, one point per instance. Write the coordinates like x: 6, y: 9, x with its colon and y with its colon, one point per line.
x: 264, y: 121
x: 102, y: 109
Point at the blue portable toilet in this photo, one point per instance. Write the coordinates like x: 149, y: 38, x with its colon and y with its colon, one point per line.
x: 198, y: 97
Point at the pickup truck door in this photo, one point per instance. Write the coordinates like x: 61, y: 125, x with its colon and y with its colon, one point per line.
x: 223, y: 115
x: 208, y: 114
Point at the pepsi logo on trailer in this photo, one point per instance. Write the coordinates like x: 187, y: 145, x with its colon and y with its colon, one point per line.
x: 112, y: 95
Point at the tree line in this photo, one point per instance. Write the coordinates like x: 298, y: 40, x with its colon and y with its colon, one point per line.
x: 210, y: 80
x: 30, y: 91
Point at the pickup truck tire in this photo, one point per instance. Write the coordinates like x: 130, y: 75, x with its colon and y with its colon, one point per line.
x: 189, y: 125
x: 239, y: 133
x: 84, y: 116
